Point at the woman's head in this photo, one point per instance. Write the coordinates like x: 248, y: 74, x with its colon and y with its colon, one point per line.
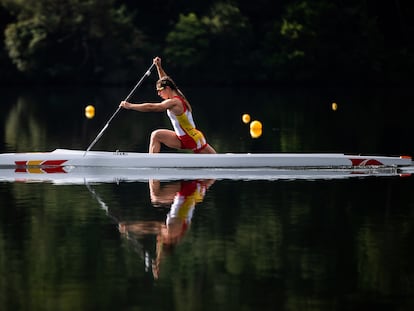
x: 164, y: 82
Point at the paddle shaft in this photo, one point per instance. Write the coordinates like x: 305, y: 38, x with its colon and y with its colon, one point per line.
x: 147, y: 74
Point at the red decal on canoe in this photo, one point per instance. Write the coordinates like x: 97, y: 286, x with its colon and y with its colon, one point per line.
x: 365, y: 162
x: 54, y: 169
x: 53, y: 162
x: 20, y: 163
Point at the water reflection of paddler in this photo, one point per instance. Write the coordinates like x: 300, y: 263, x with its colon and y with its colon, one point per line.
x: 186, y: 195
x: 181, y: 197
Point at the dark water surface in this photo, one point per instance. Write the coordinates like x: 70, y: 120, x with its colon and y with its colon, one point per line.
x: 322, y: 244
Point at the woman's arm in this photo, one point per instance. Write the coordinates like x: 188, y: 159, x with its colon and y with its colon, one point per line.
x: 150, y: 107
x: 160, y: 70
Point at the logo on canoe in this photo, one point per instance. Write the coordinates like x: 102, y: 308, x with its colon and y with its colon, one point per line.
x: 40, y: 166
x: 365, y: 162
x: 121, y: 153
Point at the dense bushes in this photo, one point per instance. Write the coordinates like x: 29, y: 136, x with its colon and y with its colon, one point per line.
x: 104, y: 41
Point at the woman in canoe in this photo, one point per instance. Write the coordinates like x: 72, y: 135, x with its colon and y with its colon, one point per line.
x: 185, y: 134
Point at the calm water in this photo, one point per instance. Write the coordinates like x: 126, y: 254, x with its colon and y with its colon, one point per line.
x: 337, y: 244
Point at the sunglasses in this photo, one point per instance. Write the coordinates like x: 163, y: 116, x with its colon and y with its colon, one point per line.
x: 160, y: 89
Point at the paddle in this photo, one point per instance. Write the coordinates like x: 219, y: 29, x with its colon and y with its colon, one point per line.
x: 147, y: 74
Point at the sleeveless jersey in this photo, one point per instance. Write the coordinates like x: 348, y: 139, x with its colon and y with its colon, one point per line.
x: 185, y: 128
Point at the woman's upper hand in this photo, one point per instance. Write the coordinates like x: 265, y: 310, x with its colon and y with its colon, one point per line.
x: 125, y: 104
x: 157, y: 61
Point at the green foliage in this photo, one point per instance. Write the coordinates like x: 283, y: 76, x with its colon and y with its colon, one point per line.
x: 54, y: 39
x: 297, y: 40
x: 187, y: 42
x: 211, y: 42
x: 23, y: 40
x: 317, y: 39
x: 226, y: 19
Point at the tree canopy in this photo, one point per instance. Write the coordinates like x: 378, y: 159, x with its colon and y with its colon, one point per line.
x: 224, y: 42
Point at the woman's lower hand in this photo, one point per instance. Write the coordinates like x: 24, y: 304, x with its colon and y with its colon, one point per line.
x: 125, y: 104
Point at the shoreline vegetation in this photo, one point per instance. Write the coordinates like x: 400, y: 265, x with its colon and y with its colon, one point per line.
x: 109, y: 42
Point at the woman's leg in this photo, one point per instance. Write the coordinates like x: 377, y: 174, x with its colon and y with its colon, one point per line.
x: 208, y: 149
x: 166, y: 137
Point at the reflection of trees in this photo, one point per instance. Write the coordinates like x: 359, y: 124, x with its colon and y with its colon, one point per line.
x: 303, y: 251
x: 279, y: 244
x: 23, y: 131
x: 384, y: 258
x: 45, y: 119
x: 48, y: 261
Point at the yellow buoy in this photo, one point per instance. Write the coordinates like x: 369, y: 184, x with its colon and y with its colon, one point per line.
x: 255, y: 125
x: 334, y: 106
x: 89, y: 111
x: 256, y: 129
x: 246, y: 118
x: 255, y: 133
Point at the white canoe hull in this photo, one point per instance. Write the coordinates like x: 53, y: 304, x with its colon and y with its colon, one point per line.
x: 78, y: 158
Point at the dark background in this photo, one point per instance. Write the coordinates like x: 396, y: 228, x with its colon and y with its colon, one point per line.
x: 219, y: 42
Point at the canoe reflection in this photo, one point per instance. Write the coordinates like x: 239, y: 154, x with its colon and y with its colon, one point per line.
x: 181, y: 198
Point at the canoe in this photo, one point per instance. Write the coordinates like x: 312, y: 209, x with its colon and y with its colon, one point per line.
x: 78, y: 158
